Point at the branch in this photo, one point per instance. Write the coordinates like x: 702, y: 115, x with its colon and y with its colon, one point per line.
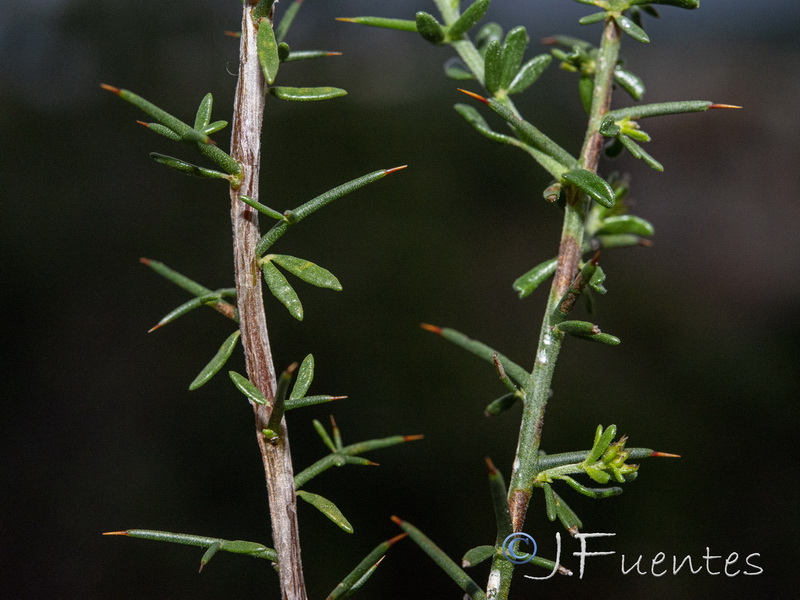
x: 246, y: 149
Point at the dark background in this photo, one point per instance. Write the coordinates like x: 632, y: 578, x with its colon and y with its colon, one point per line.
x: 99, y: 432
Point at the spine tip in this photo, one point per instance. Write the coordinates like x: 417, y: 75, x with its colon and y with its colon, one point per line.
x: 393, y: 169
x: 111, y: 88
x: 664, y: 455
x: 145, y: 261
x: 724, y: 106
x: 115, y: 533
x: 346, y: 20
x: 397, y: 520
x: 474, y: 95
x: 431, y: 328
x: 396, y: 539
x: 490, y: 466
x: 412, y: 438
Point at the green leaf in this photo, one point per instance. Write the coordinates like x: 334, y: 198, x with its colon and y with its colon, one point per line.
x: 267, y: 48
x: 476, y: 556
x: 187, y: 168
x: 549, y: 501
x: 287, y: 20
x: 363, y: 569
x: 629, y: 82
x: 216, y: 363
x: 592, y: 184
x: 593, y: 18
x: 586, y: 92
x: 529, y: 73
x: 599, y: 476
x: 244, y: 385
x: 454, y: 69
x: 493, y: 66
x: 186, y: 307
x: 660, y: 109
x: 501, y: 404
x: 309, y: 401
x: 429, y: 28
x: 161, y: 130
x: 638, y: 152
x: 447, y: 564
x: 513, y: 50
x: 262, y: 9
x: 304, y: 378
x: 281, y: 289
x: 264, y: 210
x: 481, y: 350
x: 307, y: 271
x: 632, y: 29
x: 203, y: 116
x: 296, y: 55
x: 327, y: 508
x: 396, y: 24
x: 209, y: 554
x: 306, y: 94
x: 215, y: 126
x: 235, y: 546
x: 313, y: 205
x: 468, y: 19
x: 579, y: 328
x: 678, y: 3
x: 566, y: 515
x: 602, y: 439
x: 625, y: 224
x: 527, y: 283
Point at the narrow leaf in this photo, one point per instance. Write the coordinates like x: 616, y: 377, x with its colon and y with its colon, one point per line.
x: 397, y: 24
x: 566, y: 515
x: 529, y: 73
x: 209, y: 554
x: 203, y: 116
x: 593, y: 18
x: 187, y: 168
x: 447, y: 564
x: 327, y: 508
x: 185, y: 308
x: 629, y: 82
x: 264, y: 210
x: 660, y: 109
x: 502, y: 404
x: 235, y: 546
x: 513, y: 50
x: 326, y: 439
x: 296, y: 55
x: 468, y: 19
x: 244, y: 385
x: 161, y: 130
x: 638, y: 152
x: 454, y: 68
x: 597, y: 493
x: 481, y: 350
x: 493, y: 66
x: 308, y: 271
x: 310, y: 401
x: 261, y: 10
x: 304, y: 378
x: 281, y: 289
x: 549, y: 502
x: 215, y: 126
x: 625, y: 224
x: 348, y: 583
x: 476, y: 556
x: 306, y: 94
x: 287, y: 20
x: 527, y: 283
x: 216, y: 363
x: 267, y: 48
x: 429, y: 28
x: 592, y: 184
x: 632, y: 29
x: 499, y: 493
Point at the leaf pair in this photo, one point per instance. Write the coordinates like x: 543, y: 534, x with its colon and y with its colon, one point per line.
x: 303, y: 269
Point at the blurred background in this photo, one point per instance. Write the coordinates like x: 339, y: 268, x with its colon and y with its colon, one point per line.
x: 99, y: 432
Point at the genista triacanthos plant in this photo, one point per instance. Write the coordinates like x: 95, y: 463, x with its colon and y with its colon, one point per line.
x: 595, y: 220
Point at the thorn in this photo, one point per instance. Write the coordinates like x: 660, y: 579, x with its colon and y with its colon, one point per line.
x: 548, y: 41
x: 145, y: 261
x: 431, y: 328
x: 338, y: 398
x: 397, y: 520
x: 346, y: 19
x: 116, y: 533
x: 396, y: 539
x: 292, y: 367
x: 412, y: 438
x: 333, y: 54
x: 573, y: 531
x: 596, y: 258
x: 202, y: 564
x: 476, y: 96
x: 724, y: 106
x: 664, y: 455
x: 380, y: 560
x: 490, y: 465
x: 234, y: 34
x: 111, y: 88
x: 144, y: 123
x: 564, y: 570
x: 333, y: 423
x: 646, y: 243
x: 158, y: 326
x: 388, y: 171
x: 372, y: 464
